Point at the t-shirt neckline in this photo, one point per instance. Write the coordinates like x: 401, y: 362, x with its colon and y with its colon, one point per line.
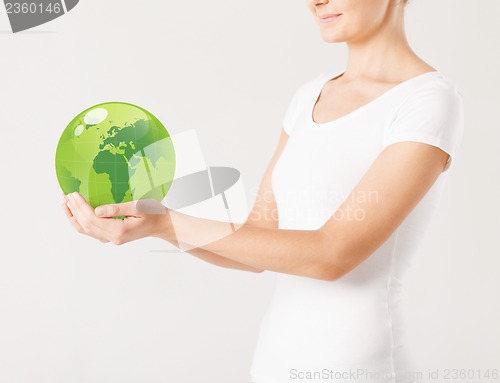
x: 331, y: 75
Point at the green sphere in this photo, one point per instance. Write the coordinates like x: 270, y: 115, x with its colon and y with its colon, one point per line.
x: 113, y: 153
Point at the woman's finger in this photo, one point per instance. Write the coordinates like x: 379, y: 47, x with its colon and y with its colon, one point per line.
x: 150, y: 206
x: 72, y: 219
x: 117, y: 231
x: 76, y: 225
x: 131, y: 209
x: 113, y: 230
x: 126, y: 209
x: 66, y: 208
x: 85, y: 217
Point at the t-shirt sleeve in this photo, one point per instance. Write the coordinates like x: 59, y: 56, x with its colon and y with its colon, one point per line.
x: 432, y: 115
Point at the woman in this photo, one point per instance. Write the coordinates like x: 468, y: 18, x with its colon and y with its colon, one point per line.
x: 356, y: 176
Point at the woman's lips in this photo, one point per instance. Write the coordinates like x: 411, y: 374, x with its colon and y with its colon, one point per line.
x: 329, y: 18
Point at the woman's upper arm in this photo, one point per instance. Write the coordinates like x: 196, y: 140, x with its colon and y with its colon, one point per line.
x: 386, y: 194
x: 418, y: 146
x: 265, y: 212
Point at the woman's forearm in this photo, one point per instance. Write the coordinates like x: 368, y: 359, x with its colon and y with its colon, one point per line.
x: 219, y: 260
x: 299, y: 252
x: 209, y: 256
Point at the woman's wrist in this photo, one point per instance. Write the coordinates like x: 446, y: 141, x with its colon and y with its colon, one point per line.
x: 164, y: 228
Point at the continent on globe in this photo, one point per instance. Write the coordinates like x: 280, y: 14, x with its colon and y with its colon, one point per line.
x: 115, y: 152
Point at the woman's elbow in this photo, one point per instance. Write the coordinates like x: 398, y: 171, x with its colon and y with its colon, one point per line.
x: 337, y: 264
x: 257, y: 271
x: 324, y: 272
x: 327, y: 267
x: 328, y: 274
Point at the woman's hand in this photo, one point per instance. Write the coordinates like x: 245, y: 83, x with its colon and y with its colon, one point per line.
x: 145, y: 218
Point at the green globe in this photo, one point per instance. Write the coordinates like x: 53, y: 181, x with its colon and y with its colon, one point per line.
x: 115, y: 152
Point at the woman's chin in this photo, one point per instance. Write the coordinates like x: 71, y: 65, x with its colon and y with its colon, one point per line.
x: 332, y: 35
x: 332, y: 38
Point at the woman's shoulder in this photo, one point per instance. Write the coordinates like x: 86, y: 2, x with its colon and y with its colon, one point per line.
x: 433, y: 87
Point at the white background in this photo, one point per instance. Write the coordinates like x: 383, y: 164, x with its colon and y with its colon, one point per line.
x: 75, y: 310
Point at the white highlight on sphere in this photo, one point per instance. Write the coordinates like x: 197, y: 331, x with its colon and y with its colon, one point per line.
x: 95, y: 116
x: 78, y: 130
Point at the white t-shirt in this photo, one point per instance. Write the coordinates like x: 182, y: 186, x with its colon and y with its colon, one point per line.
x: 350, y: 330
